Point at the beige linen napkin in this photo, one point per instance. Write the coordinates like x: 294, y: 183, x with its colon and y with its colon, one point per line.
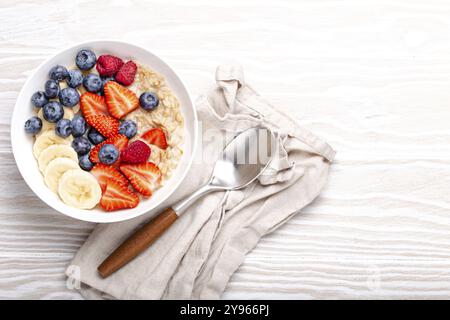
x: 196, y: 257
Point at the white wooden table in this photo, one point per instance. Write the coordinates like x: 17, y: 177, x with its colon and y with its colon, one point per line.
x: 371, y: 77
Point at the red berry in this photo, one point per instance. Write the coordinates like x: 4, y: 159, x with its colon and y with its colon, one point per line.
x: 119, y: 99
x: 127, y: 73
x: 155, y: 137
x: 117, y: 196
x: 108, y: 65
x: 106, y: 125
x: 104, y: 172
x: 92, y: 104
x: 144, y: 177
x: 136, y: 152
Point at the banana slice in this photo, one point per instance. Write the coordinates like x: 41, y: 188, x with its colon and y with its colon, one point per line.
x: 46, y: 126
x: 79, y: 189
x: 47, y: 139
x: 74, y: 109
x: 53, y: 152
x: 55, y: 169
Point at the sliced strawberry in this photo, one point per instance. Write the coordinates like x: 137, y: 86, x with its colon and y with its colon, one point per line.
x: 106, y: 125
x: 126, y: 73
x: 104, y: 172
x: 120, y: 100
x: 119, y: 140
x: 144, y: 177
x: 135, y: 152
x: 92, y: 104
x: 108, y: 65
x: 117, y: 196
x: 155, y: 136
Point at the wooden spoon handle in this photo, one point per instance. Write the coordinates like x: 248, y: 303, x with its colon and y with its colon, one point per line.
x: 137, y: 242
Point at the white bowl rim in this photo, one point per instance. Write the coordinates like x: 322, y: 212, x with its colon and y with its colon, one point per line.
x: 109, y: 217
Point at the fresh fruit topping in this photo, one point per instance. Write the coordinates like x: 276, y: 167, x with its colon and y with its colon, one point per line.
x: 108, y: 65
x: 63, y: 128
x: 108, y: 154
x: 79, y: 189
x: 85, y: 163
x: 53, y: 111
x: 136, y: 152
x: 51, y: 89
x: 74, y: 78
x: 148, y: 101
x: 92, y: 83
x: 120, y: 100
x: 58, y: 73
x: 95, y: 137
x: 69, y: 97
x: 55, y: 169
x: 144, y: 177
x: 33, y: 125
x: 92, y: 104
x: 38, y: 99
x: 128, y: 128
x: 120, y: 141
x: 85, y: 59
x: 155, y: 137
x: 46, y: 139
x: 81, y: 145
x: 126, y: 73
x: 78, y: 126
x: 54, y: 152
x: 103, y: 172
x: 106, y: 125
x: 117, y: 196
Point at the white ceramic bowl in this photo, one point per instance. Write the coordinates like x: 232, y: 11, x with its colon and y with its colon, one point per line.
x: 22, y: 143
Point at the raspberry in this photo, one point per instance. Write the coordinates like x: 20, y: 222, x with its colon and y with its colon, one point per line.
x: 127, y: 73
x: 136, y: 152
x: 108, y: 65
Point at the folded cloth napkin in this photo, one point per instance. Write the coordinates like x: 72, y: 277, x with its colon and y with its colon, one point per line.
x: 196, y: 257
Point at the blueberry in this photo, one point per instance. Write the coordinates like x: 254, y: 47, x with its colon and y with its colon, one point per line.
x: 148, y: 101
x: 38, y: 99
x: 108, y: 154
x: 128, y: 128
x: 63, y: 128
x: 95, y: 137
x: 81, y: 145
x: 53, y: 111
x: 85, y: 59
x: 51, y: 89
x: 69, y: 97
x: 92, y: 83
x: 85, y: 163
x: 58, y: 73
x: 78, y: 126
x: 33, y: 125
x: 75, y: 78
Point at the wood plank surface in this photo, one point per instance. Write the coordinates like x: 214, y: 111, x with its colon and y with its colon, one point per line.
x: 370, y: 77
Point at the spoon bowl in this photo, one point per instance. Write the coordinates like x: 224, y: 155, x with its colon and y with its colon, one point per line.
x: 243, y: 159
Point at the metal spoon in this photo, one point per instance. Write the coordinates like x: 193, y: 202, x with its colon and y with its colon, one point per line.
x: 241, y: 163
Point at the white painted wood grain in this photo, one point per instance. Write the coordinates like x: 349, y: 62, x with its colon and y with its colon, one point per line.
x: 371, y: 77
